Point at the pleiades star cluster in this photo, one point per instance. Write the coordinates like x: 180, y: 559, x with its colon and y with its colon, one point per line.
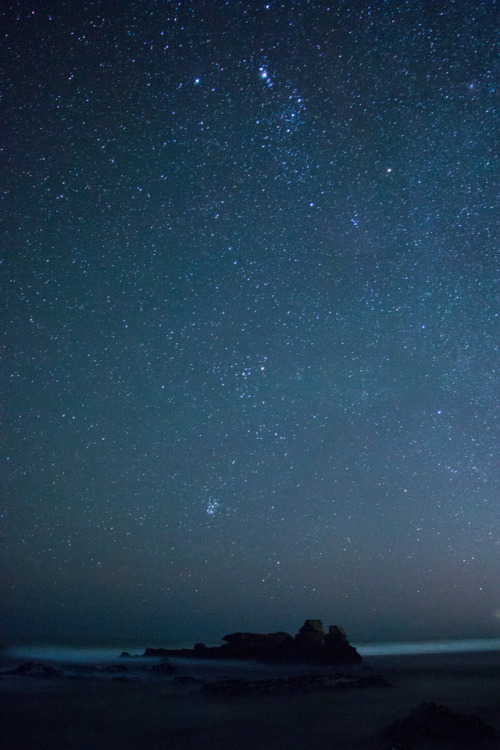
x: 250, y: 318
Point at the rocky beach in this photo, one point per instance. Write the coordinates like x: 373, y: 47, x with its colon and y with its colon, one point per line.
x: 181, y: 701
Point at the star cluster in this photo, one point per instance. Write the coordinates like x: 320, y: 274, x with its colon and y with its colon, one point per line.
x: 250, y: 318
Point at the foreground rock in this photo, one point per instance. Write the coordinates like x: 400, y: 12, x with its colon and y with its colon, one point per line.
x: 164, y: 667
x: 34, y: 669
x: 295, y: 684
x: 311, y: 645
x: 437, y: 727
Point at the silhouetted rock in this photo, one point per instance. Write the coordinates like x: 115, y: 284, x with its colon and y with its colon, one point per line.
x: 338, y: 650
x: 294, y: 684
x: 313, y: 645
x: 264, y: 647
x: 34, y: 669
x: 310, y: 641
x: 157, y: 652
x: 437, y: 727
x: 310, y: 645
x: 164, y: 667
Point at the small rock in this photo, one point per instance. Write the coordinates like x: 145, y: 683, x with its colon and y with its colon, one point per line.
x: 437, y: 726
x: 34, y: 669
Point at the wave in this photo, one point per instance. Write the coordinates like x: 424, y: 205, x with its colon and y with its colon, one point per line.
x: 99, y: 655
x: 429, y: 647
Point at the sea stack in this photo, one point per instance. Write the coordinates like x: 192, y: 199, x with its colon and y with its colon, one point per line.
x: 310, y: 645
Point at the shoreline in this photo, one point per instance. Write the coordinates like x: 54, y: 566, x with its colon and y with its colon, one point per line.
x: 78, y: 713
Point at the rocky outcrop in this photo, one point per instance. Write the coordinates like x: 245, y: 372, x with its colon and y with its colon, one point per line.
x: 264, y: 647
x: 157, y: 652
x: 436, y: 726
x: 295, y: 684
x: 34, y: 669
x: 337, y: 647
x: 311, y: 645
x: 310, y: 641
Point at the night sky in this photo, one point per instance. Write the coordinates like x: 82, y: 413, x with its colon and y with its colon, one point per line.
x: 250, y: 317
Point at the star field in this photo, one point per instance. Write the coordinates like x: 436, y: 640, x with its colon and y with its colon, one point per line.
x: 250, y: 319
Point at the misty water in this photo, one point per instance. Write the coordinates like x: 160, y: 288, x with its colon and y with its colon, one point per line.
x: 64, y: 656
x: 65, y: 653
x: 103, y: 710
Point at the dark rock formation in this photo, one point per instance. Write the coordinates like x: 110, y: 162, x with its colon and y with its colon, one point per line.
x: 157, y: 652
x: 310, y: 641
x: 295, y: 684
x: 313, y: 645
x: 264, y: 647
x: 436, y: 727
x: 310, y: 645
x: 338, y: 650
x: 34, y: 669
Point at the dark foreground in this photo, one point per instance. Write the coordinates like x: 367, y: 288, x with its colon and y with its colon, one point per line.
x: 92, y: 713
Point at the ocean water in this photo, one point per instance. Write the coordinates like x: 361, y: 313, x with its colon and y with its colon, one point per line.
x: 108, y: 710
x: 429, y: 647
x: 65, y: 655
